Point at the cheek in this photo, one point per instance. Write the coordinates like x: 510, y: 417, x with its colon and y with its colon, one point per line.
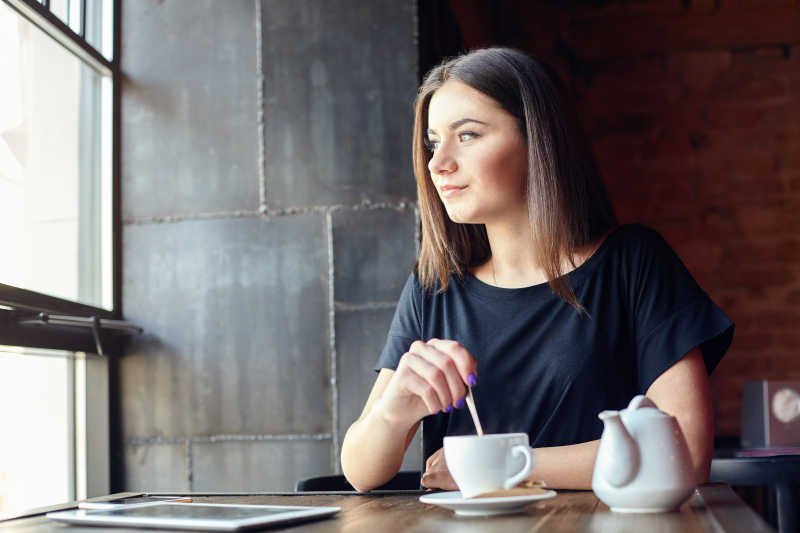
x: 507, y: 168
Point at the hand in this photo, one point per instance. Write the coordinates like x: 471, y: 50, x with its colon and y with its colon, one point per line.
x: 431, y: 377
x: 436, y: 475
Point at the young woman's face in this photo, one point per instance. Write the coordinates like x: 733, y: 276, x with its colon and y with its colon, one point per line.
x: 479, y: 163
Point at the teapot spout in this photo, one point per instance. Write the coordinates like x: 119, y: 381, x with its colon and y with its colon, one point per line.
x: 618, y: 456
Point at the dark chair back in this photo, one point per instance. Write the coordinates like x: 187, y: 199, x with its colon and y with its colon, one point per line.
x: 406, y: 480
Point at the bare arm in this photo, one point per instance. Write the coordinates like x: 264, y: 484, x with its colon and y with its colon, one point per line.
x: 430, y: 377
x: 560, y: 467
x: 374, y: 446
x: 682, y: 391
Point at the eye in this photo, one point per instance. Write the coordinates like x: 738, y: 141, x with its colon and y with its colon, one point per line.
x: 465, y: 136
x: 431, y: 145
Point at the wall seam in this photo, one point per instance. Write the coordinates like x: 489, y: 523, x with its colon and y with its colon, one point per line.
x: 332, y: 340
x: 417, y: 235
x: 417, y: 244
x: 189, y: 465
x: 266, y: 213
x: 228, y: 438
x: 262, y: 179
x: 367, y: 306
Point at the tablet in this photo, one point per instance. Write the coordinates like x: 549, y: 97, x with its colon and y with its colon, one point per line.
x: 116, y: 502
x: 203, y: 516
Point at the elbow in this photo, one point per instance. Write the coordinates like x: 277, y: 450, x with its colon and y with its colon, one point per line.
x: 701, y: 465
x: 360, y: 488
x: 361, y: 477
x: 350, y: 475
x: 703, y: 471
x: 351, y: 471
x: 360, y: 485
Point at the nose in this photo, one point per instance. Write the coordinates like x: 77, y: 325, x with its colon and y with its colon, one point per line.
x: 442, y: 162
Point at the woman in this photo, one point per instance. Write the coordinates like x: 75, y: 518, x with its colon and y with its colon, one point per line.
x: 527, y: 289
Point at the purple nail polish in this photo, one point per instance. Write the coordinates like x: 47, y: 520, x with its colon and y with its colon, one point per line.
x: 448, y: 408
x: 460, y: 403
x: 472, y: 380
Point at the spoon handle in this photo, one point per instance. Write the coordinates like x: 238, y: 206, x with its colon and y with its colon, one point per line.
x: 473, y: 411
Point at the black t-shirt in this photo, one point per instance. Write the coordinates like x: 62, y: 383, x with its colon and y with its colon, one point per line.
x: 546, y: 370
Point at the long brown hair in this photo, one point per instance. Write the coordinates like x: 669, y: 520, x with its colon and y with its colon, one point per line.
x: 567, y: 200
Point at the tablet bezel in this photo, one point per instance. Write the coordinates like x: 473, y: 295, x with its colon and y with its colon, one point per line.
x: 100, y: 517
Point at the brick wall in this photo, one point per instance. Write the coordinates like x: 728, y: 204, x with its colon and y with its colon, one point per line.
x: 693, y: 108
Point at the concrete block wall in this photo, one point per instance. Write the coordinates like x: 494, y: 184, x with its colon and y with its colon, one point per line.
x: 693, y: 108
x: 269, y: 224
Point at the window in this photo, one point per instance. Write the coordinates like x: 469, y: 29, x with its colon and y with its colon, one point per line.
x: 58, y: 105
x: 55, y: 166
x: 53, y: 406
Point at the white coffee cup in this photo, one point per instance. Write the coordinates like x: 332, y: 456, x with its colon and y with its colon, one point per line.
x: 487, y: 463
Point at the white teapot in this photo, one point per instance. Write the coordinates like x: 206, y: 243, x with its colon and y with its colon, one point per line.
x: 643, y: 463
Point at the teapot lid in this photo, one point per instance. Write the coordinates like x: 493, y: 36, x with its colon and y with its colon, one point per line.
x: 644, y: 406
x: 646, y: 412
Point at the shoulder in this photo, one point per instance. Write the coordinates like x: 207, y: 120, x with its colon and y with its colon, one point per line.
x: 634, y: 234
x: 435, y: 288
x: 637, y: 241
x: 415, y: 293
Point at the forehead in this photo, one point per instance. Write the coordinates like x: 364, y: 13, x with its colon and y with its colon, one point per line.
x: 455, y: 100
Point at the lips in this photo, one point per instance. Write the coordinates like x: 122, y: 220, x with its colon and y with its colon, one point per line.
x: 451, y: 190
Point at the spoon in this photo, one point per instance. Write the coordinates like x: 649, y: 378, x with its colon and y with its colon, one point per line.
x: 473, y: 411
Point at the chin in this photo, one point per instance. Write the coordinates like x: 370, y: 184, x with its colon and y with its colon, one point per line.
x: 459, y: 218
x: 465, y: 215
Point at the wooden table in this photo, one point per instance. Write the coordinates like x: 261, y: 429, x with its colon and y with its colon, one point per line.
x: 713, y: 507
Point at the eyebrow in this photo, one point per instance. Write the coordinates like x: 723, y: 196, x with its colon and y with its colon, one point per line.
x: 459, y: 123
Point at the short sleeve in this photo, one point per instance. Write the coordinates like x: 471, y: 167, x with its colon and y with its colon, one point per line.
x: 406, y: 326
x: 671, y: 314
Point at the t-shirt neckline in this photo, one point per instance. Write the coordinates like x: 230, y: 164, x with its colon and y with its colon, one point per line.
x: 473, y: 284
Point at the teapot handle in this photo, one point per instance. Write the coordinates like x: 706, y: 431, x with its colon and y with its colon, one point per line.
x: 641, y: 400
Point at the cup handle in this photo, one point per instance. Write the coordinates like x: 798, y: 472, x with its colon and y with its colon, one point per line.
x: 526, y: 470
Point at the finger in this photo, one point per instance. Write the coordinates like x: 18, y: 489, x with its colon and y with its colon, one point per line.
x: 465, y: 363
x: 439, y: 479
x: 433, y: 459
x: 434, y: 367
x: 450, y: 371
x: 430, y: 384
x: 419, y: 386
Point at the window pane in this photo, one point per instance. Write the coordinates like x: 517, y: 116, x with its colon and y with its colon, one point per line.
x: 55, y: 167
x: 75, y: 16
x: 37, y: 450
x: 60, y: 8
x: 99, y: 25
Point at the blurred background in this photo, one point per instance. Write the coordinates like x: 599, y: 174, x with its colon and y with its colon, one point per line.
x: 266, y: 212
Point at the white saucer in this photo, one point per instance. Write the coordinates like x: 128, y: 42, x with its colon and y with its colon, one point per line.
x: 482, y: 506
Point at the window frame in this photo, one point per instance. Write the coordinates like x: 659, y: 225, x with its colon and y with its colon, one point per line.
x: 19, y: 305
x: 92, y: 385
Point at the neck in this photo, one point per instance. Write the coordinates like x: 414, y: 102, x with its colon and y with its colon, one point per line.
x: 514, y: 262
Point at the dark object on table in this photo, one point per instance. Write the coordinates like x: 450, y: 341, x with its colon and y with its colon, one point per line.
x: 406, y: 480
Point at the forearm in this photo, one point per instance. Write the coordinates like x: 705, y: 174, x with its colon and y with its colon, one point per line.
x: 566, y: 467
x: 373, y: 449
